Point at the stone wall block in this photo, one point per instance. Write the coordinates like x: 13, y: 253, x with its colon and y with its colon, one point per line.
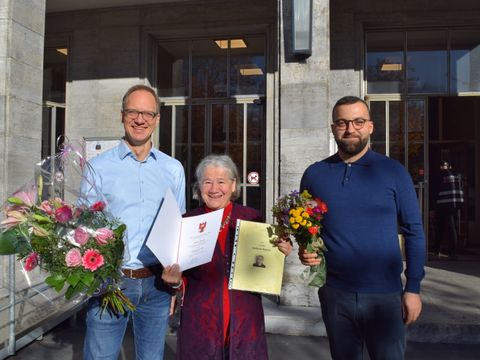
x: 4, y: 23
x: 4, y: 62
x: 30, y: 13
x: 24, y: 119
x: 25, y: 42
x: 26, y: 82
x: 306, y: 107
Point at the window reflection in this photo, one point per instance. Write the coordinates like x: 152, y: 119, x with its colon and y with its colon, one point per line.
x: 465, y: 61
x: 397, y: 130
x: 427, y: 57
x: 209, y: 69
x: 247, y: 68
x: 377, y: 139
x: 173, y: 68
x: 427, y: 61
x: 385, y: 67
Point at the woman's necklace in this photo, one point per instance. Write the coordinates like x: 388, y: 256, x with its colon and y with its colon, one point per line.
x: 224, y: 223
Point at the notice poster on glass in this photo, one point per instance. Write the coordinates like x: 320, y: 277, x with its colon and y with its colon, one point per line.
x: 257, y: 263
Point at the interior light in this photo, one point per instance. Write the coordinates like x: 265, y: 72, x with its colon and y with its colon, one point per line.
x: 63, y: 51
x: 254, y: 71
x: 234, y: 43
x: 391, y: 67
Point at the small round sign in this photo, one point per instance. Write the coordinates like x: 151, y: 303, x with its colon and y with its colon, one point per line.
x: 253, y: 178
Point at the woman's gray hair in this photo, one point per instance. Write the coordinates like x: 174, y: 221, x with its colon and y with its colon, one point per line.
x: 220, y: 161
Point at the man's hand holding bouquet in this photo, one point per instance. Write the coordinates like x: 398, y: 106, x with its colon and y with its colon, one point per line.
x: 298, y: 215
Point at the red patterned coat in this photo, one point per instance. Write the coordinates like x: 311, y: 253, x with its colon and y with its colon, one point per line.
x: 200, y: 334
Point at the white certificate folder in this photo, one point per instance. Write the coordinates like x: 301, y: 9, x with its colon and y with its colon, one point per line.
x: 189, y: 241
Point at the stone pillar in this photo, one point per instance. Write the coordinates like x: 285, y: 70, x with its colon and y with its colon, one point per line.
x: 304, y: 124
x: 21, y: 73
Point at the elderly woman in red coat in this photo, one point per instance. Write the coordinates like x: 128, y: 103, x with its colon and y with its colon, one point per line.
x: 215, y: 322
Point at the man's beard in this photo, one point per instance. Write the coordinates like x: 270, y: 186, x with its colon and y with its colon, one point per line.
x: 351, y: 148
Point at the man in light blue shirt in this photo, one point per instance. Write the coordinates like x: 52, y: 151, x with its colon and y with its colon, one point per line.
x: 132, y: 179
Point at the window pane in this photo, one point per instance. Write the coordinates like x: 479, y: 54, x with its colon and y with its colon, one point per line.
x: 254, y: 139
x: 219, y: 129
x: 377, y: 139
x: 384, y: 63
x: 209, y: 69
x: 181, y: 135
x: 247, y: 70
x: 55, y: 74
x: 465, y: 61
x: 427, y: 62
x: 254, y: 198
x: 166, y: 129
x: 416, y: 118
x: 198, y: 136
x: 235, y: 148
x: 173, y: 68
x: 397, y: 131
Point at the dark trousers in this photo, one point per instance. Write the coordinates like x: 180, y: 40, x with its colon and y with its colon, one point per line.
x: 447, y: 229
x: 355, y: 320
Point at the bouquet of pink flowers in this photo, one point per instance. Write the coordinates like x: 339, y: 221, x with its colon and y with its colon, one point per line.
x: 298, y: 215
x: 80, y: 247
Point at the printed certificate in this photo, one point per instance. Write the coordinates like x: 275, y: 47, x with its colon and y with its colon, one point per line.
x: 188, y: 242
x: 257, y: 264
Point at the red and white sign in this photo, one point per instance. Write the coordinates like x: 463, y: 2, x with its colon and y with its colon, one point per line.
x: 253, y: 178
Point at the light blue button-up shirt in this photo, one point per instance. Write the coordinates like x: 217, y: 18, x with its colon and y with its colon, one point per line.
x: 133, y: 191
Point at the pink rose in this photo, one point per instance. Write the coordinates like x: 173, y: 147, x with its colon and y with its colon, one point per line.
x: 63, y: 214
x: 73, y: 258
x: 103, y: 235
x: 81, y: 235
x: 31, y: 261
x: 98, y: 206
x: 92, y: 260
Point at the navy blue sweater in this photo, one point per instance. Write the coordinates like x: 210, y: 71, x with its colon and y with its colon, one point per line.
x: 369, y: 202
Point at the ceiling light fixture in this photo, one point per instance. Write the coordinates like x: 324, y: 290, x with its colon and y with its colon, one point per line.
x: 255, y: 71
x: 63, y: 51
x: 391, y: 67
x: 234, y: 43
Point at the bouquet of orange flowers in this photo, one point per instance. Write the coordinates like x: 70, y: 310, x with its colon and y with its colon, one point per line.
x: 298, y: 215
x: 80, y: 247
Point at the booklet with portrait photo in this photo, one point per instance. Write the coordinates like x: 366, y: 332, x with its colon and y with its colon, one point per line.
x: 257, y: 264
x: 189, y: 241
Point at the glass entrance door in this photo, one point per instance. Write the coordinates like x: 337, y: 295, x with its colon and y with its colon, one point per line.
x: 190, y: 130
x: 400, y: 134
x: 422, y: 132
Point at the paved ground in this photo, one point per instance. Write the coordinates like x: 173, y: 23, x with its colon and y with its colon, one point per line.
x: 65, y: 343
x: 449, y: 327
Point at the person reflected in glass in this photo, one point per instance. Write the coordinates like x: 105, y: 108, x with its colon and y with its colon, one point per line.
x: 448, y: 203
x: 215, y: 322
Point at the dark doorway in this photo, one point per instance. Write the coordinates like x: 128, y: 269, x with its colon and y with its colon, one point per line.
x: 453, y: 133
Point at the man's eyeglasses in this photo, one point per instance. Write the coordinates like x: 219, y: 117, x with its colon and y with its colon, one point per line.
x: 132, y: 114
x: 342, y: 124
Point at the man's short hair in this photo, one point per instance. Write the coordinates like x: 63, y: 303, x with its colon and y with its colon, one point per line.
x: 144, y: 88
x: 349, y: 100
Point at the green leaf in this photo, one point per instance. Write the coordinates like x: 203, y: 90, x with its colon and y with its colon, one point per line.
x: 16, y: 201
x: 73, y: 290
x: 74, y: 278
x: 56, y: 281
x: 8, y: 242
x: 41, y: 218
x: 87, y: 278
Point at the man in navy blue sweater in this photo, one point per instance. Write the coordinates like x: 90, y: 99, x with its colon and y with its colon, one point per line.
x: 371, y: 198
